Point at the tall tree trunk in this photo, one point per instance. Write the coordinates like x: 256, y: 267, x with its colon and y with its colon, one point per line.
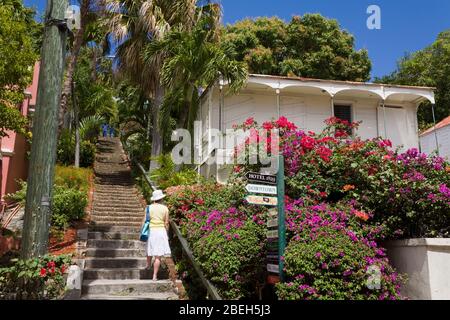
x: 43, y: 148
x: 77, y: 127
x: 73, y: 58
x: 157, y: 140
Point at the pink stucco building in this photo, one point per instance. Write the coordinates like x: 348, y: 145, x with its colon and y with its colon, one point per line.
x: 14, y: 147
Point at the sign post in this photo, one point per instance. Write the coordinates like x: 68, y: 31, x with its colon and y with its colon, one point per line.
x: 276, y: 235
x: 281, y: 216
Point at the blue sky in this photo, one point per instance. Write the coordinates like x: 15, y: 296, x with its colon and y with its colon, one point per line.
x: 406, y: 26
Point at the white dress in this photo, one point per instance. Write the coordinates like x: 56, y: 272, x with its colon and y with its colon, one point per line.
x: 158, y: 241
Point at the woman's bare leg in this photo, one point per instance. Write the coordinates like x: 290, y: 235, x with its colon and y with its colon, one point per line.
x: 149, y: 262
x: 156, y: 267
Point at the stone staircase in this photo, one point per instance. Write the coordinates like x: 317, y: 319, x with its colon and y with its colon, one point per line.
x: 115, y: 258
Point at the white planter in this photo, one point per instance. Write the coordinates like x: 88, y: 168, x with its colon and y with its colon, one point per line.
x: 427, y: 264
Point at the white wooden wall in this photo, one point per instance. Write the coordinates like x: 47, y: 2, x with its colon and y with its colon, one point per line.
x: 428, y: 142
x: 308, y: 112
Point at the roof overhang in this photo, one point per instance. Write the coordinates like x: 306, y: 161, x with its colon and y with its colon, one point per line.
x: 340, y: 89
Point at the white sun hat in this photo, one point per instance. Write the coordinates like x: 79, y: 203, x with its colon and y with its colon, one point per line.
x: 157, y: 195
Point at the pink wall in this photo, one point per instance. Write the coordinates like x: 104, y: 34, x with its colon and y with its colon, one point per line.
x: 14, y: 147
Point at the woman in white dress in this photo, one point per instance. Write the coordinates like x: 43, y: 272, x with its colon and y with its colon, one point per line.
x: 158, y: 241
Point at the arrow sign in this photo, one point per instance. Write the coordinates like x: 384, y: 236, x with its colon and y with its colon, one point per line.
x: 263, y: 178
x: 272, y: 234
x: 260, y: 200
x: 273, y: 213
x: 272, y: 223
x: 273, y: 268
x: 259, y: 188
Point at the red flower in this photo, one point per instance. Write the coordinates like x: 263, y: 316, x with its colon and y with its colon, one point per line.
x: 324, y: 153
x: 362, y: 215
x: 340, y: 134
x: 249, y: 122
x: 284, y: 123
x: 63, y: 268
x: 268, y: 126
x: 43, y: 272
x: 308, y: 143
x: 51, y: 264
x: 199, y: 202
x: 184, y: 207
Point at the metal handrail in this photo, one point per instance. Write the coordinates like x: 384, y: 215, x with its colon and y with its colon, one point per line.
x: 210, y: 288
x: 212, y: 291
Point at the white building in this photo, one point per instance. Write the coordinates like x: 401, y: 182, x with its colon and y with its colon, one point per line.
x: 385, y: 110
x: 437, y: 136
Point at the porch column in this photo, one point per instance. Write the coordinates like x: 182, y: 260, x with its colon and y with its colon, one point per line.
x: 435, y: 131
x: 384, y: 119
x: 332, y: 105
x: 278, y: 103
x: 377, y: 118
x: 220, y: 106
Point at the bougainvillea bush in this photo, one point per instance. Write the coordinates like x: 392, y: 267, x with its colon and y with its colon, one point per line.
x: 350, y: 193
x: 408, y: 192
x: 343, y: 195
x: 332, y: 255
x: 225, y: 233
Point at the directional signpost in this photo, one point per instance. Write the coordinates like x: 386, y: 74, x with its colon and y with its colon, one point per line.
x: 261, y: 200
x: 259, y: 186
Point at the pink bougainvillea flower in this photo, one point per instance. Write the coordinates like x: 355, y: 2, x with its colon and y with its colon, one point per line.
x: 43, y: 272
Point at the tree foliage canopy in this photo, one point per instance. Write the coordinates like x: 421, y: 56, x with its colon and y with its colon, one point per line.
x: 18, y: 52
x: 427, y: 67
x: 308, y: 46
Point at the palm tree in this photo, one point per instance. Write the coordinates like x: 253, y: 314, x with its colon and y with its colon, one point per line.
x: 194, y: 60
x: 134, y: 24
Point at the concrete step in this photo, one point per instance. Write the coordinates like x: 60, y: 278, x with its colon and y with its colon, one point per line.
x: 148, y: 296
x: 112, y: 253
x: 115, y: 186
x: 131, y: 205
x: 118, y: 210
x: 114, y: 201
x: 116, y: 244
x: 116, y: 193
x: 117, y: 214
x: 114, y: 190
x: 114, y: 229
x: 113, y: 235
x: 124, y: 274
x: 114, y: 219
x: 125, y: 287
x: 106, y: 263
x: 103, y: 224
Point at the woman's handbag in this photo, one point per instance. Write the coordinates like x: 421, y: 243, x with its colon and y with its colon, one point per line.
x: 145, y: 231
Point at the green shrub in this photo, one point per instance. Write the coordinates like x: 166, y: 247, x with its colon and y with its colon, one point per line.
x: 66, y: 150
x: 166, y: 175
x: 69, y: 195
x: 67, y: 205
x: 34, y: 279
x: 71, y: 177
x: 332, y: 255
x: 20, y: 195
x: 233, y: 262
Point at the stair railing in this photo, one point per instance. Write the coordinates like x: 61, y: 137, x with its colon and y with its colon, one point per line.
x: 210, y: 288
